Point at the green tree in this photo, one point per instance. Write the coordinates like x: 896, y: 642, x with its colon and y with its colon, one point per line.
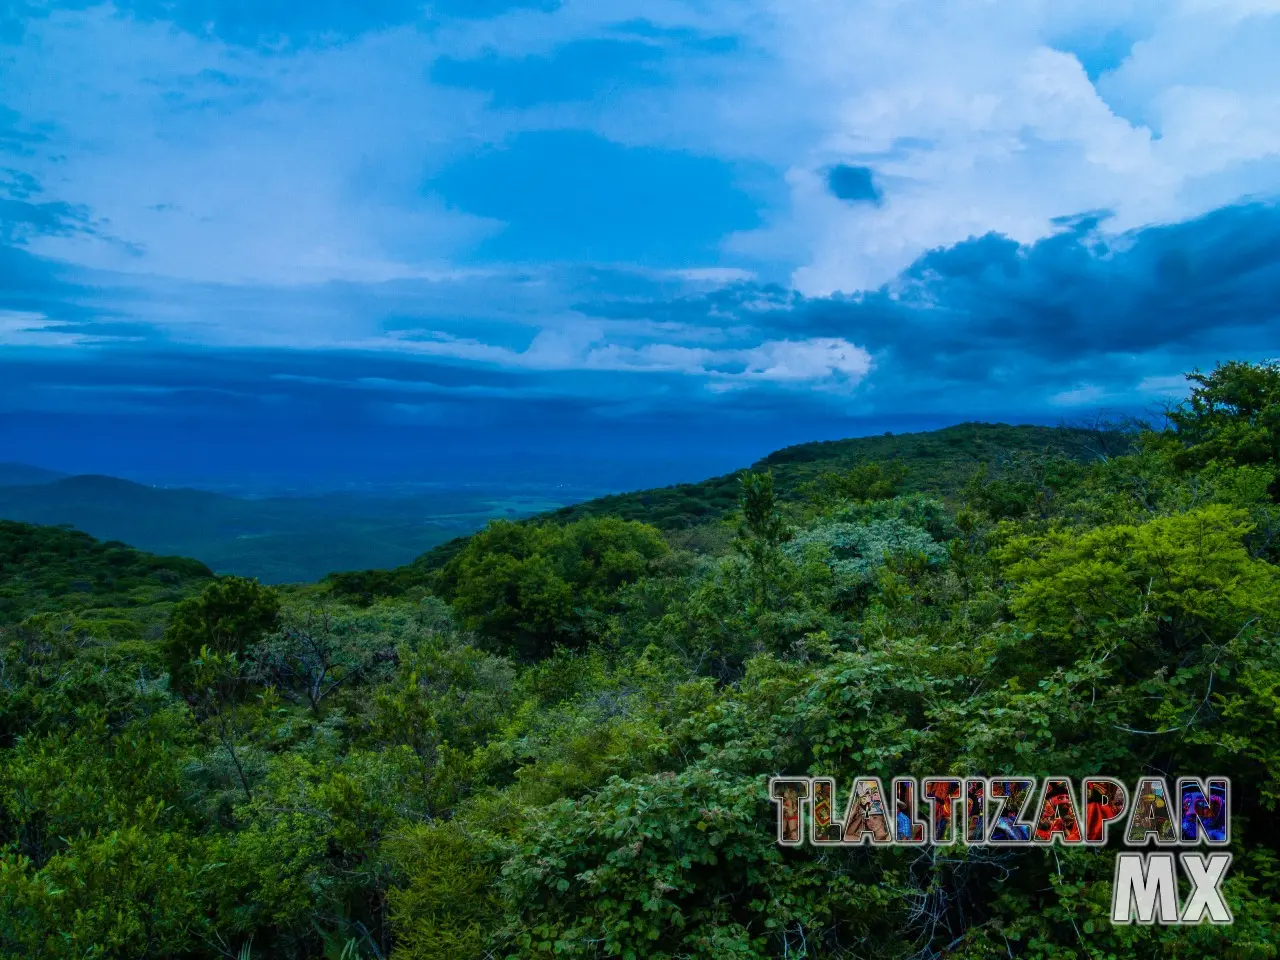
x: 446, y: 904
x: 761, y: 533
x: 320, y: 651
x: 207, y: 644
x: 1232, y: 414
x: 228, y: 618
x: 860, y: 483
x: 531, y: 587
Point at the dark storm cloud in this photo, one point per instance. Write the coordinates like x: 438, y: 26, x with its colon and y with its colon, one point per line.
x: 1079, y: 292
x: 1212, y: 283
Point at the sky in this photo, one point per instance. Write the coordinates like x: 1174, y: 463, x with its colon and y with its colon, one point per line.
x: 378, y: 238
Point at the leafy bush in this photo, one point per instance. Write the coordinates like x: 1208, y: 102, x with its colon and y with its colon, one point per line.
x: 533, y: 587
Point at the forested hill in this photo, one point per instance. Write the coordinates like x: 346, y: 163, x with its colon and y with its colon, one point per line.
x: 57, y: 570
x: 21, y: 474
x: 936, y: 461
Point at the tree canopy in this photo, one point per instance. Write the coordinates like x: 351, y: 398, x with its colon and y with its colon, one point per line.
x: 554, y: 738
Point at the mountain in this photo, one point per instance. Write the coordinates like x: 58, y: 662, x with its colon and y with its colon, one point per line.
x: 23, y: 474
x: 277, y: 539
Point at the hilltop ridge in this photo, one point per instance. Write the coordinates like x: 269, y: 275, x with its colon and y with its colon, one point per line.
x: 936, y: 461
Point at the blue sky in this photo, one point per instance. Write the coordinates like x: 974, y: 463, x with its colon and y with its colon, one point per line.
x: 386, y: 236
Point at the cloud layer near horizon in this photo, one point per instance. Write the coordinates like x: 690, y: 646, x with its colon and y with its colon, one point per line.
x: 625, y: 216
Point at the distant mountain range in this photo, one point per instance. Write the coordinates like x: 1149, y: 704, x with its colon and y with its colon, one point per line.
x: 21, y: 474
x: 277, y: 539
x: 303, y: 538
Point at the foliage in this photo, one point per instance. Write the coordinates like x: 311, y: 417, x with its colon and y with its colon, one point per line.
x: 318, y: 650
x: 442, y: 910
x: 859, y: 484
x: 226, y: 619
x: 532, y: 587
x: 1233, y: 415
x: 50, y: 569
x: 938, y: 462
x: 553, y: 738
x: 856, y: 552
x: 760, y: 537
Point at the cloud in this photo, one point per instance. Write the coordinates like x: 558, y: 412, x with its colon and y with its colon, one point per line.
x: 228, y: 165
x: 23, y: 215
x: 221, y: 154
x: 648, y: 213
x: 1085, y: 395
x: 579, y: 70
x: 22, y: 219
x: 822, y: 363
x: 1085, y: 317
x: 855, y: 184
x: 1014, y: 120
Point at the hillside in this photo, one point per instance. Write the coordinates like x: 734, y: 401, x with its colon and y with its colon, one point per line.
x: 51, y: 569
x: 937, y: 461
x: 566, y: 745
x: 395, y: 538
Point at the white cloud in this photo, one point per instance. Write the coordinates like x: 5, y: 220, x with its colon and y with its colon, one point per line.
x: 806, y: 360
x: 719, y: 276
x: 225, y: 165
x: 809, y: 362
x: 1086, y: 395
x: 972, y: 122
x: 1164, y: 386
x: 24, y: 328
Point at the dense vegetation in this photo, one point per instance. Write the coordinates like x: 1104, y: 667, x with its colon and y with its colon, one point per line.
x: 50, y: 570
x: 936, y: 462
x: 553, y: 739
